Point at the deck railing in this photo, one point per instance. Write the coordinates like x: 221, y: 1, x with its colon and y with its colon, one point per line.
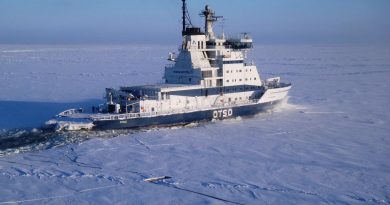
x: 126, y: 116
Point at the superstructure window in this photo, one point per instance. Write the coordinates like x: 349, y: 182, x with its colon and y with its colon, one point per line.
x: 207, y: 74
x: 210, y: 43
x: 233, y: 62
x: 165, y: 96
x: 238, y: 44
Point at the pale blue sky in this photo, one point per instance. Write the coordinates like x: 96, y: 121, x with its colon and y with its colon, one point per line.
x: 158, y: 21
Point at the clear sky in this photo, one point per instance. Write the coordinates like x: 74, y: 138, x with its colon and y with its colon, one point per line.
x: 158, y: 21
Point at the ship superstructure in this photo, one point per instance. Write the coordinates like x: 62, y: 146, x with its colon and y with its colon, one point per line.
x: 209, y: 79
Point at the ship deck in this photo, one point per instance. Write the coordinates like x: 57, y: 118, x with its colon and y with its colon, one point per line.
x: 163, y: 87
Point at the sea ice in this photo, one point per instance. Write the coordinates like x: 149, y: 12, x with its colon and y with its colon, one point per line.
x: 329, y: 145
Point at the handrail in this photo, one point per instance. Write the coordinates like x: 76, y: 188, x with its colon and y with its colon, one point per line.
x: 70, y: 112
x: 126, y: 116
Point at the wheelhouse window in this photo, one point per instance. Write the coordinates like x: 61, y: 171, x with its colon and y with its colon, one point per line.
x: 207, y: 74
x: 233, y: 62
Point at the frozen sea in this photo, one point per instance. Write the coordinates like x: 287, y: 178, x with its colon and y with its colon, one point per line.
x: 329, y: 144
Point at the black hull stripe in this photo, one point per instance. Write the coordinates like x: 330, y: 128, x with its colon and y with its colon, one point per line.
x: 185, y: 118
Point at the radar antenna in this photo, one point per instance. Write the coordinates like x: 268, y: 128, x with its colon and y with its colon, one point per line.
x: 245, y: 35
x: 210, y: 18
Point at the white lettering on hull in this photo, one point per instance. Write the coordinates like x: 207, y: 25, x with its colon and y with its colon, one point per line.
x: 224, y: 113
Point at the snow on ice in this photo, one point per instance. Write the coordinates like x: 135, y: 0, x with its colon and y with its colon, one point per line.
x: 329, y: 145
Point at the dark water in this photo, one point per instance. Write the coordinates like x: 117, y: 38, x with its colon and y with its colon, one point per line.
x: 19, y: 140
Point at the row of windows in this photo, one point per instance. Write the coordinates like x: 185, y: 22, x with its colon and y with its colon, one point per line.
x: 213, y: 43
x: 241, y: 88
x: 200, y: 44
x: 235, y: 80
x: 238, y: 71
x: 233, y: 62
x: 232, y: 44
x: 240, y: 98
x: 207, y: 74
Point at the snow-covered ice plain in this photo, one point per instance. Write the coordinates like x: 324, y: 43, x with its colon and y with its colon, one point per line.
x: 330, y: 144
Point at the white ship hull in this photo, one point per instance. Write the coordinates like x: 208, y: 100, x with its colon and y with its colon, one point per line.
x: 85, y: 121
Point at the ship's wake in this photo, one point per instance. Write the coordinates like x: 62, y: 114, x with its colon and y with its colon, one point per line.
x: 23, y: 140
x: 285, y: 105
x: 20, y: 141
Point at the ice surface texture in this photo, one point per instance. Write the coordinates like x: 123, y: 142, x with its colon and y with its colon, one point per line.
x: 329, y: 145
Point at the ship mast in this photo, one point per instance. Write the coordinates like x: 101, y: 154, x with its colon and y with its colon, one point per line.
x: 184, y: 17
x: 210, y: 18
